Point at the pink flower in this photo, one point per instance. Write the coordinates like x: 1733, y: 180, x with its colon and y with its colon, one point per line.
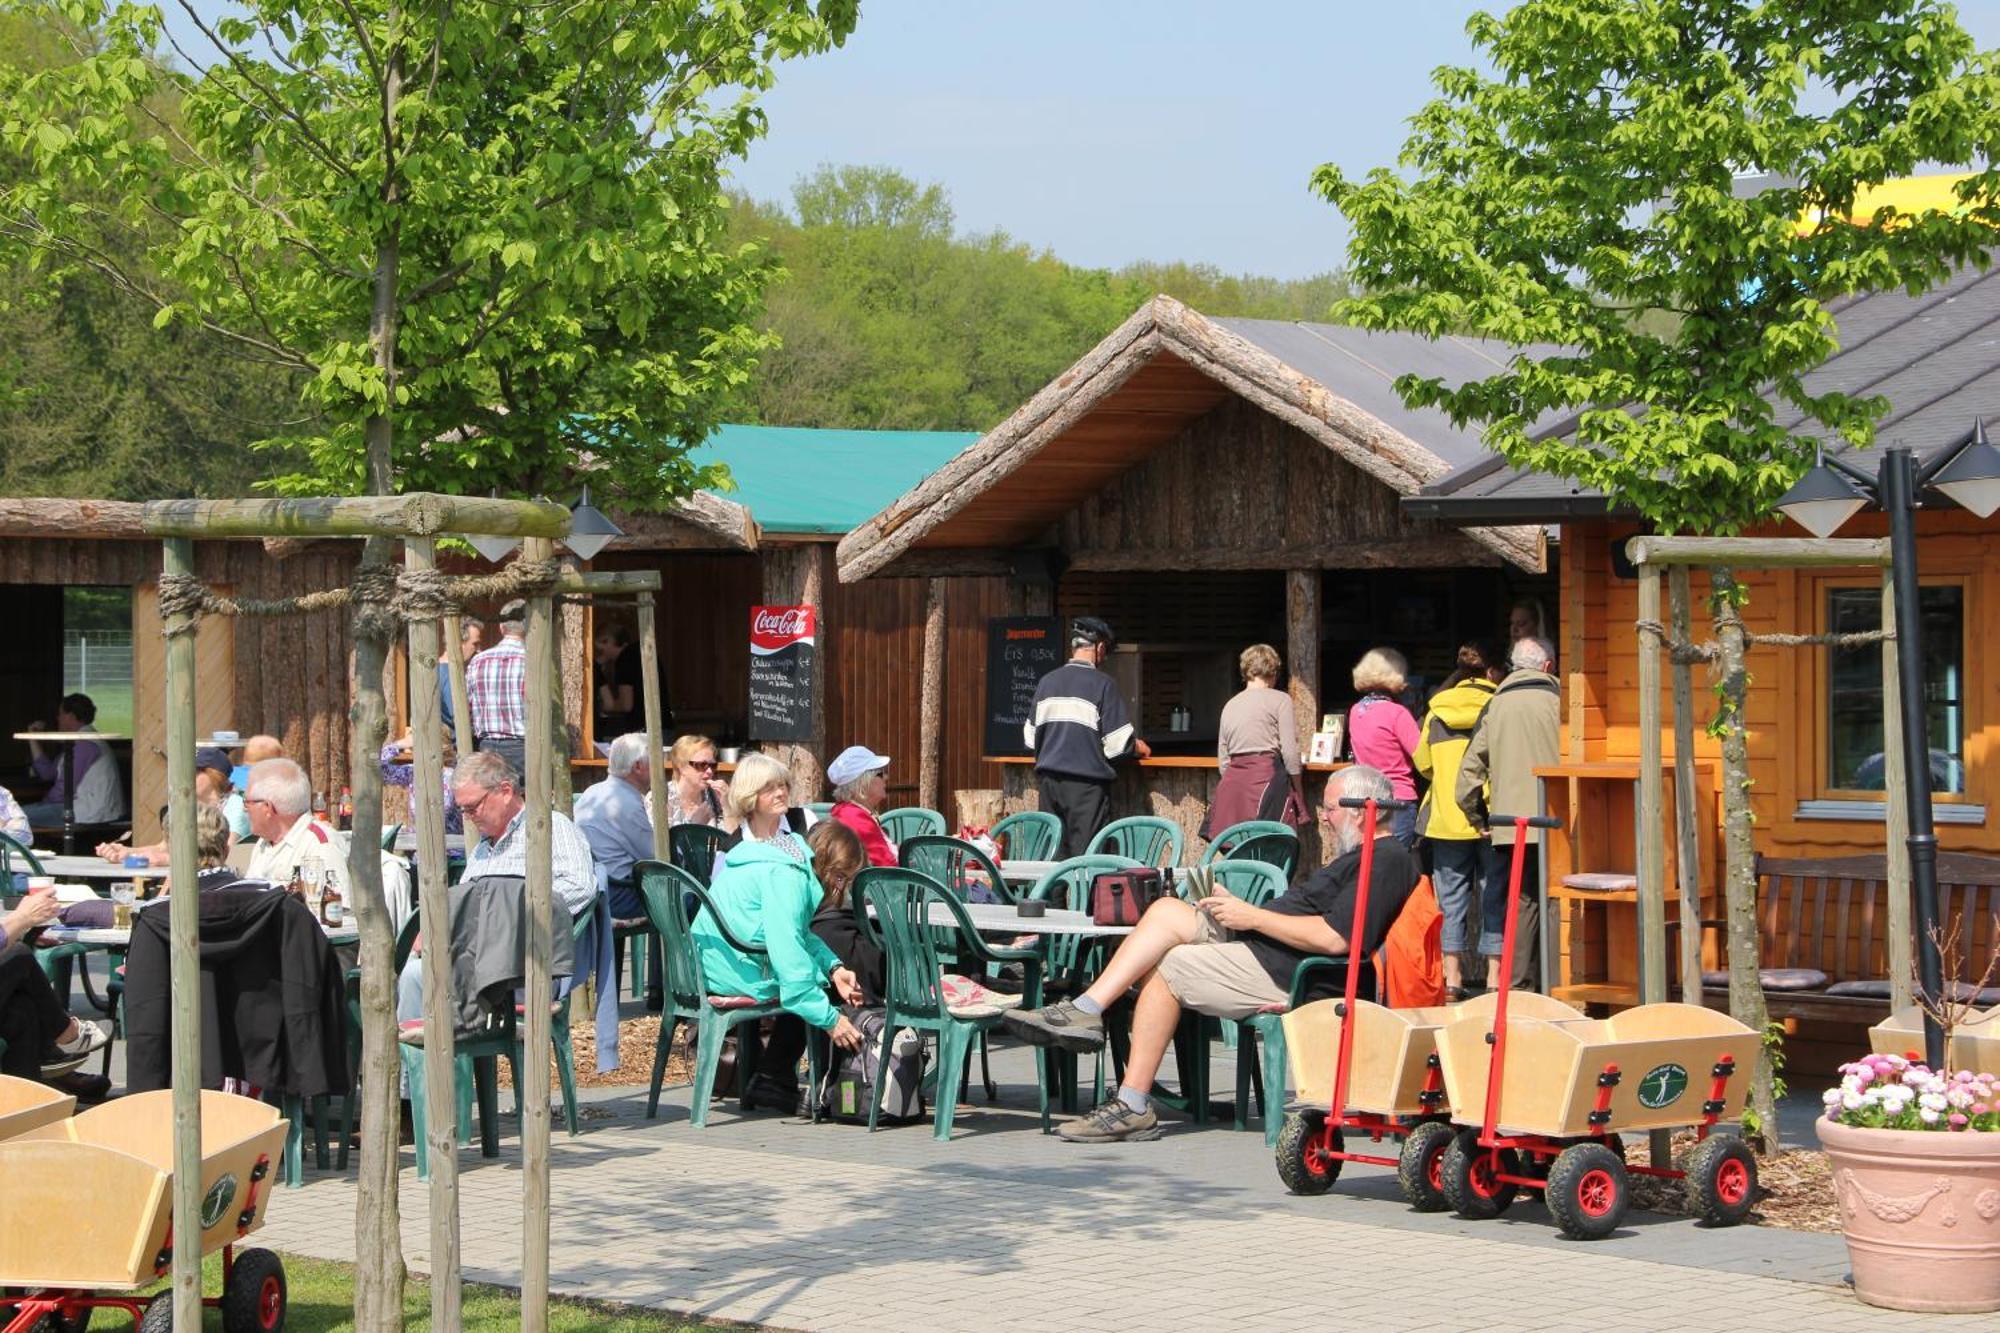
x: 1957, y: 1121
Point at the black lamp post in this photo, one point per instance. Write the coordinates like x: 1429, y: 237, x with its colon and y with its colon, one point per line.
x: 1822, y: 500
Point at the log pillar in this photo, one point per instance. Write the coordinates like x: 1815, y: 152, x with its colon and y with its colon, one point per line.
x: 1899, y: 932
x: 184, y: 953
x: 796, y: 575
x: 1302, y: 635
x: 541, y: 747
x: 931, y: 734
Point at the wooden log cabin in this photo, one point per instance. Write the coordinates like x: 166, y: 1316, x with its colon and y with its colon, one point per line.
x: 1815, y: 714
x: 1208, y: 484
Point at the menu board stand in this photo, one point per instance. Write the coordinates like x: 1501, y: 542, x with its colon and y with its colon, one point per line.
x: 1020, y: 650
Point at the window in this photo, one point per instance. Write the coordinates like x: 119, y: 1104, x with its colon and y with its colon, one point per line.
x: 97, y: 653
x: 1853, y: 754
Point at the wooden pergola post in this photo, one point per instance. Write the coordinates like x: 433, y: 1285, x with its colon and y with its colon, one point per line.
x: 931, y: 732
x: 1895, y: 778
x: 434, y: 907
x: 1302, y: 636
x: 1687, y: 844
x: 184, y: 928
x: 540, y: 989
x: 649, y: 678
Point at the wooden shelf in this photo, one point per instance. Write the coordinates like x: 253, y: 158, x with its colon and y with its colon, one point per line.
x: 1593, y: 895
x: 1595, y: 992
x: 1615, y: 769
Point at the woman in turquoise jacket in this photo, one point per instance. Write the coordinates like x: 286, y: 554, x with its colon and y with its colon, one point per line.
x: 766, y: 895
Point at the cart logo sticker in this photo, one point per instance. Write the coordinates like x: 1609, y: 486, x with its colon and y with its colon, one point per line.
x: 1662, y: 1086
x: 216, y: 1202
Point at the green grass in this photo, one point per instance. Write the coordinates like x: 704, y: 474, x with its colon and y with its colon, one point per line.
x: 114, y: 707
x: 321, y: 1295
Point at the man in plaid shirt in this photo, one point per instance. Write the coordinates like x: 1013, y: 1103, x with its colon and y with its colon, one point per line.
x: 496, y: 690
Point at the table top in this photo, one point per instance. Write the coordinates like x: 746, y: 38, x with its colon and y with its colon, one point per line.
x: 69, y: 736
x: 1000, y: 918
x: 108, y: 937
x: 94, y: 867
x: 1033, y: 872
x: 406, y: 841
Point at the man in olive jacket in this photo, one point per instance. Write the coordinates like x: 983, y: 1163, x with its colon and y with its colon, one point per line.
x: 1519, y: 732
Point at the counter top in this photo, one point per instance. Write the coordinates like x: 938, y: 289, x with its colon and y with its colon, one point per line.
x: 1206, y: 761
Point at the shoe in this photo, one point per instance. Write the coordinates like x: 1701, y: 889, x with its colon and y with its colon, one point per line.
x: 67, y: 1055
x: 655, y: 1002
x: 1063, y: 1026
x: 770, y: 1094
x: 1113, y: 1122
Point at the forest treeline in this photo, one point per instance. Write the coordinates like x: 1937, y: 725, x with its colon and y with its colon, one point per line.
x: 890, y: 318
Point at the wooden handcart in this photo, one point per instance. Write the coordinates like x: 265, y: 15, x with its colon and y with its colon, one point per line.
x: 1541, y: 1105
x: 1975, y: 1040
x: 86, y: 1217
x: 26, y: 1104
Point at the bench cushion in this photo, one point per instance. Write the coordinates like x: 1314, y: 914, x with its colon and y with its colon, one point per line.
x: 1600, y: 881
x: 1877, y: 989
x: 1775, y: 978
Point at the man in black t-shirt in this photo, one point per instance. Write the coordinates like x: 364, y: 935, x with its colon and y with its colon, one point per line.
x: 1225, y: 958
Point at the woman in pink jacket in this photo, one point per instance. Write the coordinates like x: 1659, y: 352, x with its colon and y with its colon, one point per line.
x: 1383, y: 734
x: 860, y: 786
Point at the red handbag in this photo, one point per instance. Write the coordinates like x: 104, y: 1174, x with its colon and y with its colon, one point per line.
x: 1121, y: 897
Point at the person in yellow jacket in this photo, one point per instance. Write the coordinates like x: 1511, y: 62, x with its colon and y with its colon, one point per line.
x: 1459, y: 850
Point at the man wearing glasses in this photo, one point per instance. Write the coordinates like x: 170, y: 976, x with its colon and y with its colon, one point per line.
x: 278, y: 801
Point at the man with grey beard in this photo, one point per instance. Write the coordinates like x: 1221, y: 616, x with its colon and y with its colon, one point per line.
x: 1225, y: 958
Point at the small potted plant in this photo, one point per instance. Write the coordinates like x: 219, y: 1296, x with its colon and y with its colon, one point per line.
x: 1915, y: 1154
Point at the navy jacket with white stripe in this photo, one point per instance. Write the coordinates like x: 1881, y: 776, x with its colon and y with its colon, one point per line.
x: 1079, y: 723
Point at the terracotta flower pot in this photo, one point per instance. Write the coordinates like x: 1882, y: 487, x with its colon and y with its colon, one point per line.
x: 1921, y: 1212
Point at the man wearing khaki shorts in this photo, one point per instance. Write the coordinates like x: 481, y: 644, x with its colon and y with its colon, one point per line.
x: 1225, y: 958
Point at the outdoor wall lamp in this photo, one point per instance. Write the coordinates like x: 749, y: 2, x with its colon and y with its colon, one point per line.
x: 590, y: 528
x: 495, y: 548
x: 1820, y: 502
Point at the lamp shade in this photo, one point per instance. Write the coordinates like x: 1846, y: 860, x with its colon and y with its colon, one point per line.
x: 590, y: 529
x: 1821, y: 501
x: 493, y: 548
x: 1973, y: 478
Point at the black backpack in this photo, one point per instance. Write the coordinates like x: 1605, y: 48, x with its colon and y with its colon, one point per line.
x: 848, y: 1087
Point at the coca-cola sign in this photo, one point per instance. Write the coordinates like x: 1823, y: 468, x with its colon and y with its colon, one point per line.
x: 781, y: 673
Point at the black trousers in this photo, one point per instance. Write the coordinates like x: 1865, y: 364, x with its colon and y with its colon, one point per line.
x: 31, y: 1015
x: 1083, y: 806
x: 839, y: 931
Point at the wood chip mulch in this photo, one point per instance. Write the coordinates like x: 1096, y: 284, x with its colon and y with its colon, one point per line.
x: 1794, y: 1189
x: 636, y: 1039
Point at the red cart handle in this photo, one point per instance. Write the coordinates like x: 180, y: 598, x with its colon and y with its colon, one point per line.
x: 1496, y: 1066
x: 1364, y: 876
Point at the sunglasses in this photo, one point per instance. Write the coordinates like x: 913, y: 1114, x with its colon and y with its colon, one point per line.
x: 705, y: 765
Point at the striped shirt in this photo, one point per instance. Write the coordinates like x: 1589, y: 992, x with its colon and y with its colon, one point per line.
x: 496, y: 689
x: 1079, y: 725
x: 575, y: 872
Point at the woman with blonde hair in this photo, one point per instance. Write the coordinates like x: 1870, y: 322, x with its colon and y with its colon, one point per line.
x: 695, y: 795
x: 766, y: 894
x: 1383, y: 734
x: 1257, y: 750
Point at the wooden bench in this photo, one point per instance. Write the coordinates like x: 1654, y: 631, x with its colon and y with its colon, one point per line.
x: 1831, y: 914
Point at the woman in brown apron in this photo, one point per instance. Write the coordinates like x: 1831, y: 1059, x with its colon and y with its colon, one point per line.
x: 1258, y: 750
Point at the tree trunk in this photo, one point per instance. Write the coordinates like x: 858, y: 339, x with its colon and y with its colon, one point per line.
x: 378, y: 1231
x: 1739, y: 873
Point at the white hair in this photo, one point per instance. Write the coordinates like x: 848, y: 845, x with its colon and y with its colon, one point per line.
x: 283, y: 783
x: 1358, y: 782
x: 1531, y: 654
x: 627, y: 753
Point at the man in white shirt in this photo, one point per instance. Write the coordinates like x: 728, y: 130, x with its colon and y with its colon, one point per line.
x: 278, y: 800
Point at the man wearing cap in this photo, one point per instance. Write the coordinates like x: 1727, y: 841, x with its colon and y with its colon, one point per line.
x: 496, y: 690
x: 860, y: 779
x: 1078, y: 726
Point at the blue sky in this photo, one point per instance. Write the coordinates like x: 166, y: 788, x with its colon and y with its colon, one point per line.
x: 1110, y: 131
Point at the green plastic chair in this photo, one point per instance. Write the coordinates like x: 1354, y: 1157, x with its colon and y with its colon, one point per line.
x: 1221, y: 845
x: 1032, y: 835
x: 1067, y: 969
x: 673, y: 899
x: 406, y: 943
x: 1273, y: 849
x: 900, y: 900
x: 1147, y: 839
x: 391, y: 832
x: 16, y: 858
x: 694, y: 847
x: 954, y: 863
x: 912, y: 821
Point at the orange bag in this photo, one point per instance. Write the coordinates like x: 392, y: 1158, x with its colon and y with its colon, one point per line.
x: 1412, y: 956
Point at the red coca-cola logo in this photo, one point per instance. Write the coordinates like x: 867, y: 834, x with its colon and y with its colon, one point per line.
x: 775, y: 627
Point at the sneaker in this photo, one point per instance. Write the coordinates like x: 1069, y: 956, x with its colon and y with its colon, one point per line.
x: 1113, y: 1122
x: 67, y: 1055
x: 1060, y: 1025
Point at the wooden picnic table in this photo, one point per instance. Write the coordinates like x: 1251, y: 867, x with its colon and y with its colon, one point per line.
x: 94, y: 867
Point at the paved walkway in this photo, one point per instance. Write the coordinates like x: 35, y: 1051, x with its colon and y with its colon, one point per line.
x: 782, y: 1223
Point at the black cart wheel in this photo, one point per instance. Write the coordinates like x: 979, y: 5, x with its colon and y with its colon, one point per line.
x: 1721, y: 1180
x: 56, y: 1323
x: 159, y: 1316
x: 1470, y: 1179
x: 254, y: 1298
x: 1303, y: 1161
x: 1589, y: 1191
x: 1420, y: 1168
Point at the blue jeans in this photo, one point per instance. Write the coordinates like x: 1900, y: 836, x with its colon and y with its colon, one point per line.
x: 1403, y: 825
x: 1493, y: 912
x: 1458, y: 873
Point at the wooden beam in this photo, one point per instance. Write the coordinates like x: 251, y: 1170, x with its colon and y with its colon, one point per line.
x: 931, y: 733
x: 946, y: 562
x: 649, y: 686
x: 73, y: 519
x: 605, y: 582
x: 1446, y: 550
x: 541, y: 648
x: 433, y: 906
x: 1899, y: 934
x: 1687, y: 841
x: 184, y: 954
x: 1767, y: 552
x: 417, y: 515
x: 700, y: 522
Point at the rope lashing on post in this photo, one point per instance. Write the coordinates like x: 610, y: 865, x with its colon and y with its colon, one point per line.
x: 1685, y: 651
x: 397, y: 594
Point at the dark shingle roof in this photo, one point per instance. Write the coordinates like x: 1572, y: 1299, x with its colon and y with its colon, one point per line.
x: 1934, y: 356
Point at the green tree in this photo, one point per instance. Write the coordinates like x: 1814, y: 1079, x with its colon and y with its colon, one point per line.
x: 487, y: 236
x: 1590, y: 178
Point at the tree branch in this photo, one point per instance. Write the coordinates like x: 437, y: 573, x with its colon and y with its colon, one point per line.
x: 275, y: 102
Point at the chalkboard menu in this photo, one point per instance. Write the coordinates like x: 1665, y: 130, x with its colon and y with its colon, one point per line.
x: 1020, y: 650
x: 781, y: 673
